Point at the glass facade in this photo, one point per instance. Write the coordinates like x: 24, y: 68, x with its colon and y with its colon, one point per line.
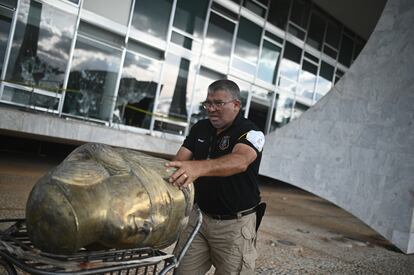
x: 150, y: 69
x: 152, y: 17
x: 268, y: 63
x: 190, y: 18
x: 41, y: 45
x: 92, y: 80
x: 219, y: 37
x: 137, y: 90
x: 247, y: 46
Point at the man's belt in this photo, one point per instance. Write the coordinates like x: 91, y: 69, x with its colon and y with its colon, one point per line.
x: 231, y: 216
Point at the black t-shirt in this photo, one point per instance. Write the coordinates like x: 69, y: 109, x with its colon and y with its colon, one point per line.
x: 225, y: 195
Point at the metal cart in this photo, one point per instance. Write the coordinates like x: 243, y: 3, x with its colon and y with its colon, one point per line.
x: 16, y: 250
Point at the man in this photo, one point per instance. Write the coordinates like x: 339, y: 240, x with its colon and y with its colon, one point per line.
x: 221, y: 155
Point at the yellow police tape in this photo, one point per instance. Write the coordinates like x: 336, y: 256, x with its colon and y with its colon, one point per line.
x: 61, y: 90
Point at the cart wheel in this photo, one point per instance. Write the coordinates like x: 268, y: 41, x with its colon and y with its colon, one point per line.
x: 6, y: 268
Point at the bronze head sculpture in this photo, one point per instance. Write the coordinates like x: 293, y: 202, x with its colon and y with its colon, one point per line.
x: 102, y: 196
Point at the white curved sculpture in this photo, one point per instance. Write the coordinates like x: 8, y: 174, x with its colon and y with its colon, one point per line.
x: 355, y: 147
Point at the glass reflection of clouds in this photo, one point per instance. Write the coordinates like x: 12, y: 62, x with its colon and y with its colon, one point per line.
x: 219, y: 37
x: 92, y: 59
x: 152, y: 17
x: 262, y: 93
x: 248, y: 40
x: 268, y: 62
x: 176, y: 90
x: 92, y: 79
x: 189, y: 17
x: 323, y: 88
x: 307, y: 84
x: 283, y: 108
x: 140, y: 67
x: 137, y: 89
x: 41, y: 45
x: 289, y: 69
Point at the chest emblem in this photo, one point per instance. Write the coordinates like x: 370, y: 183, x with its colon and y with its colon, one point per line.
x: 224, y: 143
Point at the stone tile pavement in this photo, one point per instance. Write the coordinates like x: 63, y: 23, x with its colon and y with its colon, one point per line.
x: 300, y: 233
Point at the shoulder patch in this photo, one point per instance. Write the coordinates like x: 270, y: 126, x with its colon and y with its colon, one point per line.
x: 256, y: 138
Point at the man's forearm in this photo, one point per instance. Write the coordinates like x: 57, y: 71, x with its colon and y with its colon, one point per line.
x: 221, y: 167
x: 189, y: 170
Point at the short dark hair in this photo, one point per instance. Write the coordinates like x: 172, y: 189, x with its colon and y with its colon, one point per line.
x: 226, y: 85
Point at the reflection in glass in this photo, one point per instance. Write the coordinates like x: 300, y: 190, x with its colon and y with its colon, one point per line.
x: 248, y: 40
x: 299, y: 33
x: 316, y: 31
x: 268, y: 62
x: 174, y: 100
x: 324, y: 80
x: 9, y: 3
x: 137, y: 91
x: 106, y: 9
x: 244, y: 92
x: 30, y: 98
x: 260, y: 104
x: 224, y: 11
x: 185, y: 42
x: 205, y: 78
x: 330, y: 52
x: 243, y: 66
x: 189, y: 17
x: 41, y: 46
x: 291, y: 61
x: 307, y: 80
x: 338, y: 75
x: 257, y: 9
x: 92, y: 79
x: 290, y: 67
x: 219, y: 38
x: 298, y: 110
x: 333, y: 34
x: 345, y: 53
x: 300, y: 13
x: 283, y: 112
x: 359, y: 45
x: 152, y: 17
x: 176, y: 90
x: 278, y: 13
x: 5, y: 22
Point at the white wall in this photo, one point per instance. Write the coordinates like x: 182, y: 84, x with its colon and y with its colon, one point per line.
x: 355, y: 147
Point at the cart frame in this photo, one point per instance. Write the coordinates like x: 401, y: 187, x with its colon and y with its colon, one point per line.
x: 16, y: 250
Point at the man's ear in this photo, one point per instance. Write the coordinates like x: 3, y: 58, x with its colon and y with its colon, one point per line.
x: 237, y: 104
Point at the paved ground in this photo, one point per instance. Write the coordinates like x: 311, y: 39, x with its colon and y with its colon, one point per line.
x: 300, y: 234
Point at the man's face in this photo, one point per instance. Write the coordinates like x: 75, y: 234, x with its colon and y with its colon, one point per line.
x: 222, y: 109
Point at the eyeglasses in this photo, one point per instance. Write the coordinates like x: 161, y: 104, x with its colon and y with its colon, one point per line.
x: 215, y: 104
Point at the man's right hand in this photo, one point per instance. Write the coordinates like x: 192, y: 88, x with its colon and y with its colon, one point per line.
x: 187, y: 172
